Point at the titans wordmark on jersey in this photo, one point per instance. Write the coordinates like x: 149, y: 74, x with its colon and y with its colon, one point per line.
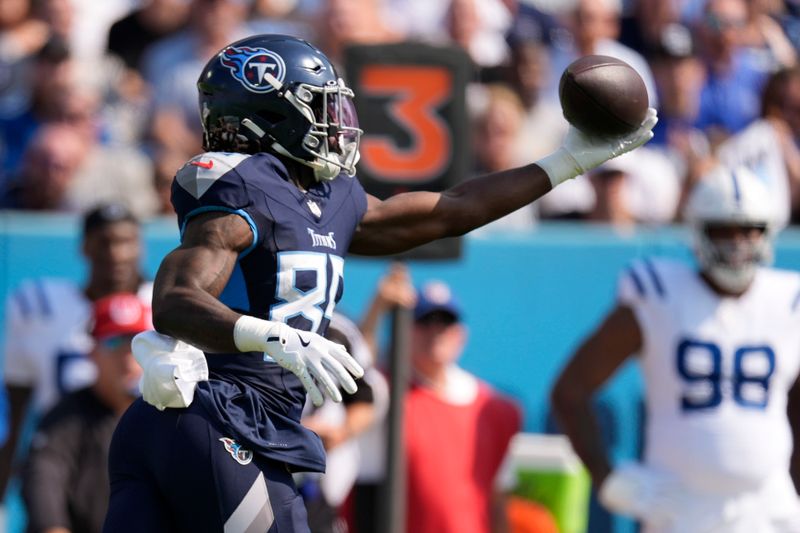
x: 293, y: 272
x: 717, y: 372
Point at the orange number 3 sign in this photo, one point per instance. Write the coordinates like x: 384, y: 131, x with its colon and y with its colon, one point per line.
x: 417, y: 93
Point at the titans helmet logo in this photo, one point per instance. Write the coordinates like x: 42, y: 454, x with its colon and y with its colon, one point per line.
x: 250, y: 66
x: 241, y: 455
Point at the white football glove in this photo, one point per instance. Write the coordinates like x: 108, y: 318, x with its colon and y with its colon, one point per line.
x: 315, y: 360
x: 171, y: 368
x: 581, y: 152
x: 640, y: 492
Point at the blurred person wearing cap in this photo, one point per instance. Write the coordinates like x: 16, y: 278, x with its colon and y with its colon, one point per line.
x: 47, y: 319
x: 719, y: 350
x: 457, y: 428
x: 65, y: 482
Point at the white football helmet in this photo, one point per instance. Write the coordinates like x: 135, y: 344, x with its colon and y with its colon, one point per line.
x: 726, y: 198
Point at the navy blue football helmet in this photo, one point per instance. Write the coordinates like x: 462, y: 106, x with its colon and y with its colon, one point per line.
x: 279, y: 94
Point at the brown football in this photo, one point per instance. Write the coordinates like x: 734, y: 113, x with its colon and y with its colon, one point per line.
x: 602, y: 95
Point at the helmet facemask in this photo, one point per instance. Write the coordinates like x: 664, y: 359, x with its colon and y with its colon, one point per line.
x: 333, y: 137
x: 730, y: 253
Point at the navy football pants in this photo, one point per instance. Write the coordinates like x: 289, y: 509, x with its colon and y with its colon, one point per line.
x: 171, y: 471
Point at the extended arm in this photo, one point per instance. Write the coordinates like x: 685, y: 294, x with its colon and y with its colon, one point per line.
x: 411, y: 219
x: 595, y: 361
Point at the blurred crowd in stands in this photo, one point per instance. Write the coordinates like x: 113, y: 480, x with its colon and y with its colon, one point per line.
x: 98, y: 99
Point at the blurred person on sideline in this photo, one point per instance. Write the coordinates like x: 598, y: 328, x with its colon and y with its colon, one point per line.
x: 768, y: 146
x: 339, y: 425
x: 719, y: 349
x: 65, y: 479
x: 457, y: 427
x: 730, y: 96
x: 47, y: 321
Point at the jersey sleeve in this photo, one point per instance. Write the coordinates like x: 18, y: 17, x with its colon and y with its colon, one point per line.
x: 19, y: 365
x: 210, y: 182
x: 639, y: 283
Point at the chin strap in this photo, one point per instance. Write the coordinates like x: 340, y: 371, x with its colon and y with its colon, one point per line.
x: 323, y: 170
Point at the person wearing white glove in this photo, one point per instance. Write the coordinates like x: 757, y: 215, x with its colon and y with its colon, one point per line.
x: 267, y: 216
x: 721, y: 386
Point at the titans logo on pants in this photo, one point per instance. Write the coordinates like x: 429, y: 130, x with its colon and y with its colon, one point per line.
x: 250, y: 66
x: 242, y: 456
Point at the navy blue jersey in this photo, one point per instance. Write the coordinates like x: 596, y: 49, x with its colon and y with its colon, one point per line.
x: 293, y: 272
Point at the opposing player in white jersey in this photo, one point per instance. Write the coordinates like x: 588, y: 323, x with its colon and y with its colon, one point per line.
x: 719, y: 349
x: 47, y: 321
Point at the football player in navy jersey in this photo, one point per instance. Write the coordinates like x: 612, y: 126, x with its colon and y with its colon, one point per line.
x: 266, y: 216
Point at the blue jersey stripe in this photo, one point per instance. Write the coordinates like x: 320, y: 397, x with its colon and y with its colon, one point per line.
x: 23, y: 304
x: 796, y: 302
x: 41, y: 296
x: 241, y: 212
x: 637, y: 281
x: 737, y: 195
x: 651, y: 270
